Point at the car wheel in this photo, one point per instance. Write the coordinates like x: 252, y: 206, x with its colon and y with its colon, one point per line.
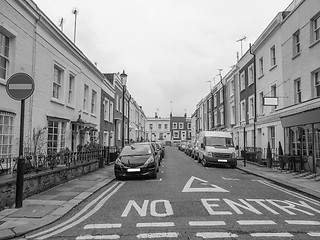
x: 118, y: 178
x: 204, y: 162
x: 154, y: 175
x: 233, y: 165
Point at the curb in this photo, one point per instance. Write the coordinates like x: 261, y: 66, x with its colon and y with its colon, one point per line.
x: 283, y: 183
x: 20, y: 231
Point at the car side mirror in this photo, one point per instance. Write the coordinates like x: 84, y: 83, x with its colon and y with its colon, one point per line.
x: 202, y: 145
x: 237, y: 147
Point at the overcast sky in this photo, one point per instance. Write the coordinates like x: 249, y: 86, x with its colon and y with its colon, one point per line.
x: 168, y: 48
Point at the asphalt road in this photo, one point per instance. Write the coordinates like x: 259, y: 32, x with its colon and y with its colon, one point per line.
x: 188, y: 201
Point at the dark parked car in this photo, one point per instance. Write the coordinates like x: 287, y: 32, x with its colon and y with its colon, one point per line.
x: 163, y: 149
x: 183, y: 145
x: 157, y: 147
x: 188, y: 149
x: 138, y: 159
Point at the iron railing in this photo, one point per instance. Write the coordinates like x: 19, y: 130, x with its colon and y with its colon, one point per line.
x: 36, y: 163
x: 258, y: 154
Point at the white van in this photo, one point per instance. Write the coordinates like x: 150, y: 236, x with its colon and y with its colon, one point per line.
x: 216, y: 147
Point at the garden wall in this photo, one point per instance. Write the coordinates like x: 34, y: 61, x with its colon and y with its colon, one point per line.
x: 37, y: 182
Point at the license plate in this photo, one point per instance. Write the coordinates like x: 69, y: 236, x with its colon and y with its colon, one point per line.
x: 133, y: 170
x: 222, y: 160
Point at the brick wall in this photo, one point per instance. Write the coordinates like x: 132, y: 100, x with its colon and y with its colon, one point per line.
x: 38, y: 182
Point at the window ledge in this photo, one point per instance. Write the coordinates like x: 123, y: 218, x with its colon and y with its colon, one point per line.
x: 70, y: 106
x: 296, y: 55
x: 57, y: 101
x: 273, y: 67
x: 85, y: 112
x: 261, y: 76
x: 93, y: 115
x: 314, y: 43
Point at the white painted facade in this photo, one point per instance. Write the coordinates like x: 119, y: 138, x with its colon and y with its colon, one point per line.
x: 158, y: 129
x: 269, y: 83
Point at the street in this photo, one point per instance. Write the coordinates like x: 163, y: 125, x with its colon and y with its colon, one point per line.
x: 189, y: 201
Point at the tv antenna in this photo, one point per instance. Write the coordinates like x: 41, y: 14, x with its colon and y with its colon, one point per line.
x: 240, y: 40
x: 61, y: 22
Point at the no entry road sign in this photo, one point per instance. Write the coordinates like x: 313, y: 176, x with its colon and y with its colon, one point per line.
x: 20, y: 86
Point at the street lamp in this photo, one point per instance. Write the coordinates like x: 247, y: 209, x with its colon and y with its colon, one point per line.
x: 123, y: 77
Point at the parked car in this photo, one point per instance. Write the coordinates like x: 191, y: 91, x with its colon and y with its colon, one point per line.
x: 175, y: 143
x: 188, y: 148
x: 138, y: 159
x: 195, y: 151
x: 163, y: 149
x: 183, y: 145
x: 158, y: 148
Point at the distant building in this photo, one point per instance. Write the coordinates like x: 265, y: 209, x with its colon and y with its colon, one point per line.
x: 158, y: 129
x: 180, y: 127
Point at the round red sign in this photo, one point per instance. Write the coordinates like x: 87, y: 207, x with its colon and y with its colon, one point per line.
x: 20, y: 86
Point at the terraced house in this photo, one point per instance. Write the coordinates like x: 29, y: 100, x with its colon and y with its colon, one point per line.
x: 73, y: 104
x: 274, y: 88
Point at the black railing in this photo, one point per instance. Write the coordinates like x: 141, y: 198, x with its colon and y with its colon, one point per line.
x: 258, y: 154
x: 36, y: 163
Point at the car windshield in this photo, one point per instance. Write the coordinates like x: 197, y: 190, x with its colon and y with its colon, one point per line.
x: 136, y: 149
x: 219, y: 141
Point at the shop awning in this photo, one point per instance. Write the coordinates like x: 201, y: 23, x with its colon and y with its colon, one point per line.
x: 303, y: 118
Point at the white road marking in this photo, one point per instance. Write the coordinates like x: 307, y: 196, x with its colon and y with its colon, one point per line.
x: 142, y: 211
x: 256, y: 222
x: 105, y: 225
x: 152, y: 180
x: 90, y: 237
x: 216, y: 235
x: 271, y: 234
x: 212, y: 188
x: 314, y: 234
x: 158, y: 235
x: 156, y: 224
x: 231, y: 179
x: 65, y: 225
x: 302, y: 222
x: 207, y: 223
x: 290, y: 192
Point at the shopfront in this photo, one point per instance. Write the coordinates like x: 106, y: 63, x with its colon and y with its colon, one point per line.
x: 302, y: 137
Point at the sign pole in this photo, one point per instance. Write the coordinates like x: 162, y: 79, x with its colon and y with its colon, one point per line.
x: 20, y: 165
x: 20, y: 86
x: 244, y: 146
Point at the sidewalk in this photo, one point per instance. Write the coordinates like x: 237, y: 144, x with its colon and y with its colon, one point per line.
x: 304, y: 182
x: 46, y: 207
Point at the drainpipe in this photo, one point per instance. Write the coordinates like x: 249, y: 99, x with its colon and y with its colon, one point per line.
x: 33, y: 75
x: 224, y: 101
x: 129, y: 119
x: 255, y: 98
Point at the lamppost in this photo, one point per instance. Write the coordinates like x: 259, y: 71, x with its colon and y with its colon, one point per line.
x: 123, y: 76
